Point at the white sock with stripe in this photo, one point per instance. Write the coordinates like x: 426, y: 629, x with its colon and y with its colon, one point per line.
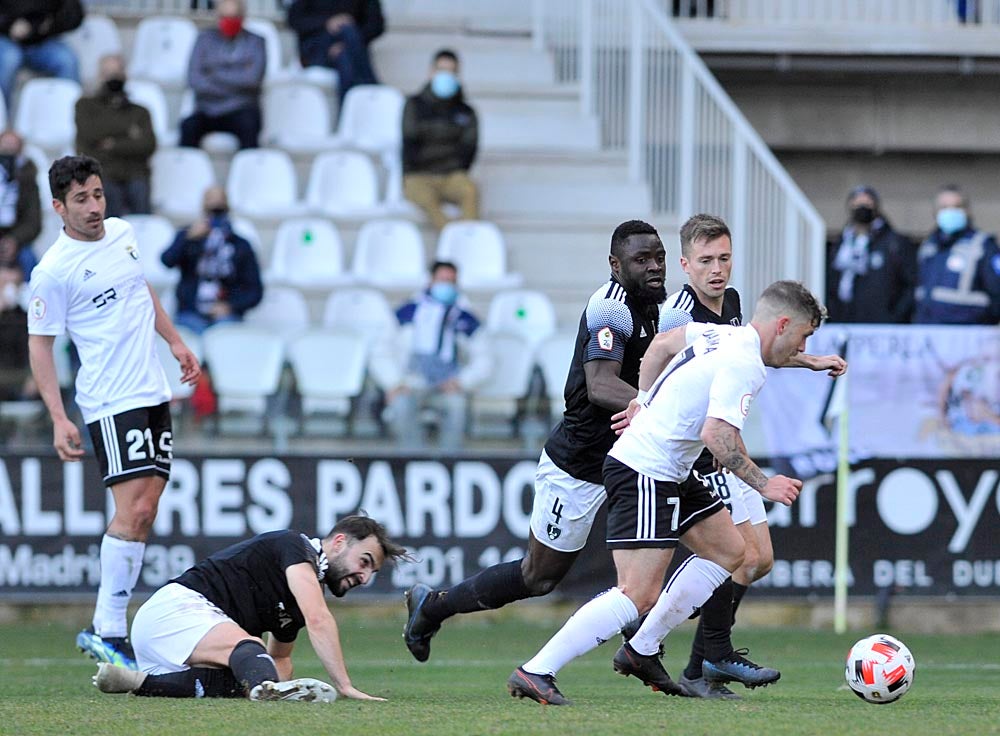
x: 689, y: 587
x: 593, y: 624
x: 121, y: 562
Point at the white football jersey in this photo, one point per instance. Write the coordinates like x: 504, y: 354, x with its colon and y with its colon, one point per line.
x: 717, y: 375
x: 96, y: 292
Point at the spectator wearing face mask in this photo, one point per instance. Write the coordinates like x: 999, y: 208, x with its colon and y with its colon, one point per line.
x: 959, y: 268
x: 440, y: 137
x: 872, y: 270
x: 226, y: 72
x: 119, y: 133
x: 438, y: 356
x: 220, y: 276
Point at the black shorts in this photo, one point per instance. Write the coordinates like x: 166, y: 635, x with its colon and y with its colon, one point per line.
x: 134, y: 443
x: 646, y: 513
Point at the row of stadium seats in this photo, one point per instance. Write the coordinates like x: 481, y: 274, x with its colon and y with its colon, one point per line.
x: 308, y: 252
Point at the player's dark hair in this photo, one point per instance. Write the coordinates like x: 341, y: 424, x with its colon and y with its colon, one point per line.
x: 792, y: 296
x: 442, y: 264
x: 953, y: 189
x: 702, y: 227
x: 69, y: 169
x: 359, y: 526
x: 446, y: 54
x: 625, y: 231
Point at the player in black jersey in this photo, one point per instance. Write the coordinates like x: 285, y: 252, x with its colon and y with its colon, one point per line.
x: 706, y: 257
x: 616, y: 327
x: 200, y: 634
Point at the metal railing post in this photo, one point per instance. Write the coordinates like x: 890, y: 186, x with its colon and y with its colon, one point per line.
x: 586, y: 60
x: 738, y: 223
x: 538, y: 25
x: 636, y: 98
x: 686, y: 139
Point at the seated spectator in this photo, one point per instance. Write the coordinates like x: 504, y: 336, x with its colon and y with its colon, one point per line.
x: 220, y: 277
x: 872, y: 269
x: 443, y: 357
x: 959, y: 268
x: 119, y: 133
x: 29, y: 31
x: 336, y: 34
x: 20, y: 208
x: 226, y: 73
x: 440, y: 137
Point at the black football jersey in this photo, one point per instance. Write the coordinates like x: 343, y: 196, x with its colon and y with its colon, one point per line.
x: 247, y: 581
x: 614, y: 326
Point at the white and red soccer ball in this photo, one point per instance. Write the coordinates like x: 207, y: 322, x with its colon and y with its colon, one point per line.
x: 879, y: 669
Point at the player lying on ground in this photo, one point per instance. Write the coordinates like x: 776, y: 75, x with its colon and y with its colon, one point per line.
x: 696, y: 385
x: 200, y: 634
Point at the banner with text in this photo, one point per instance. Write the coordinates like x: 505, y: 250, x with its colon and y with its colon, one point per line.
x: 927, y: 525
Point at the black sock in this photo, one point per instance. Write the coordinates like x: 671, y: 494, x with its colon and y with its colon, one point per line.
x: 739, y: 591
x: 251, y: 664
x: 197, y: 682
x: 494, y: 587
x: 693, y: 669
x: 716, y: 623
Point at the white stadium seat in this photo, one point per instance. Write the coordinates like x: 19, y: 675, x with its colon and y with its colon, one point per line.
x: 150, y: 95
x: 154, y: 234
x: 390, y: 254
x: 308, y: 252
x: 46, y: 112
x: 97, y: 36
x: 275, y: 66
x: 241, y: 384
x: 180, y: 178
x: 262, y: 184
x: 478, y: 249
x: 372, y: 118
x: 553, y: 358
x: 283, y: 310
x: 170, y: 365
x: 509, y: 381
x: 343, y: 184
x: 365, y: 311
x: 161, y: 50
x: 324, y: 390
x: 523, y: 312
x: 249, y: 232
x: 297, y: 118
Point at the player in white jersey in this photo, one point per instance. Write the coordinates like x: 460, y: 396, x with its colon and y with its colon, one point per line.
x: 696, y: 386
x: 90, y: 285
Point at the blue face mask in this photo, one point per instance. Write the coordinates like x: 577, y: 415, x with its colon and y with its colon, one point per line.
x: 444, y: 84
x: 444, y: 292
x: 952, y: 220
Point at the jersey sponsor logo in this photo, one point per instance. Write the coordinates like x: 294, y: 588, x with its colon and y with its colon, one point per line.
x: 606, y: 339
x: 745, y: 404
x: 104, y: 297
x: 284, y: 618
x: 37, y: 308
x: 132, y: 251
x: 87, y: 273
x: 642, y: 331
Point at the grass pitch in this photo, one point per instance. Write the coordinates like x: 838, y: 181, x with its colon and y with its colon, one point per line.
x: 461, y: 690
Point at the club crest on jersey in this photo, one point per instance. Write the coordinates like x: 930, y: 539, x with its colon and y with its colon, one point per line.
x: 606, y: 339
x: 553, y: 531
x: 132, y: 251
x: 745, y: 404
x: 37, y: 308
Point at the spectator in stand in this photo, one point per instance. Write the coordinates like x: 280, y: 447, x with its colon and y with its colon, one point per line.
x: 445, y: 357
x: 20, y: 209
x: 872, y: 269
x: 959, y: 268
x: 440, y: 137
x: 336, y: 34
x: 119, y: 133
x: 220, y: 277
x: 29, y: 31
x: 226, y: 73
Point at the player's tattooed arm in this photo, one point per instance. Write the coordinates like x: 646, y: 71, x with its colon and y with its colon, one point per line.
x: 724, y: 442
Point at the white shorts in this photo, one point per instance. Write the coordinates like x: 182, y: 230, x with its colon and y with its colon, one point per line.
x: 744, y: 503
x: 564, y: 508
x: 169, y: 626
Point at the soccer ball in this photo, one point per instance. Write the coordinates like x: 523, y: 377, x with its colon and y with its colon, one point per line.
x: 879, y: 669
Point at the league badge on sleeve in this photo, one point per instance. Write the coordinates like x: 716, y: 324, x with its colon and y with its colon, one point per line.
x: 745, y: 404
x: 606, y: 339
x: 37, y: 308
x: 132, y: 251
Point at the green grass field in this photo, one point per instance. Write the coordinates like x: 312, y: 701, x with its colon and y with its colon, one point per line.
x: 47, y: 689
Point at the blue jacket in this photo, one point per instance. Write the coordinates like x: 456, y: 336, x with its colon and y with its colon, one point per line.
x: 242, y: 288
x: 436, y: 330
x: 959, y: 279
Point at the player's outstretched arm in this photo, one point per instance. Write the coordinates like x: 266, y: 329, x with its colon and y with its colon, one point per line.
x: 65, y: 435
x: 190, y: 370
x: 836, y: 365
x: 322, y: 628
x: 726, y: 444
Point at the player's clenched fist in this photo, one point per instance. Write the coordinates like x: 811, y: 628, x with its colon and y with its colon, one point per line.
x: 782, y: 489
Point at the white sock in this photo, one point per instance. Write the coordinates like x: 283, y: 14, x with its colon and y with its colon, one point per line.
x: 689, y: 587
x: 593, y: 624
x: 121, y: 562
